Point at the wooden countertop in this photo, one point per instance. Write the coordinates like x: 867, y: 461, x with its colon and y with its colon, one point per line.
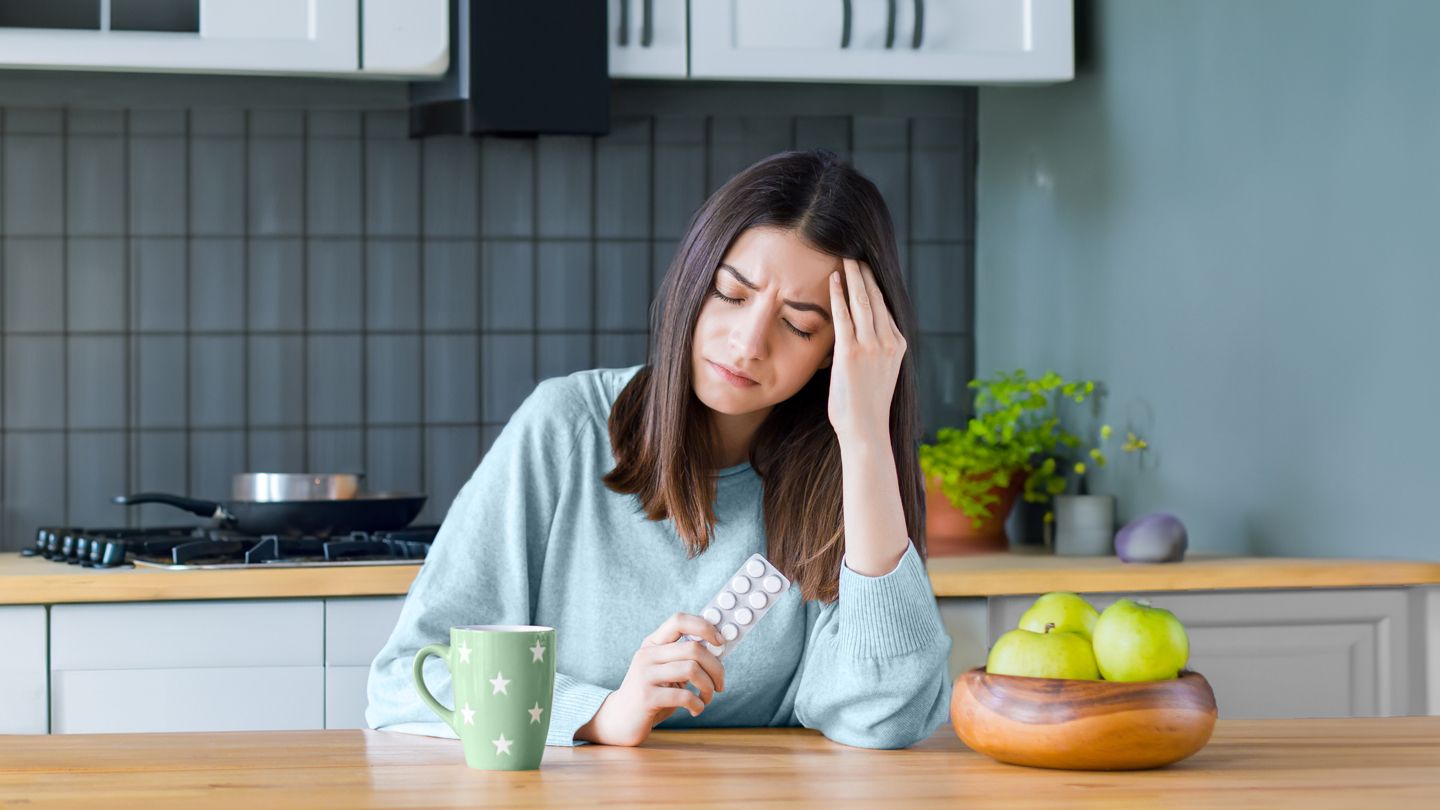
x: 35, y: 581
x: 1340, y: 763
x: 38, y: 581
x: 1010, y: 573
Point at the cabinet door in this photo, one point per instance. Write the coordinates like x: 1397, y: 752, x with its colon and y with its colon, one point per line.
x: 187, y: 666
x: 1310, y: 653
x: 941, y: 41
x: 225, y: 36
x: 405, y: 38
x: 24, y: 704
x: 647, y: 38
x: 1426, y: 636
x: 965, y: 623
x: 355, y: 630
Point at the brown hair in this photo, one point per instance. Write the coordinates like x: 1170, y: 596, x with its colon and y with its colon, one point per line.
x: 661, y: 432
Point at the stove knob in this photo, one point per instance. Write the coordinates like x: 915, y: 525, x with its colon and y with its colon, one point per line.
x: 112, y: 555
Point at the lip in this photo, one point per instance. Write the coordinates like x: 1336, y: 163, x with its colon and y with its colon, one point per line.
x: 731, y: 377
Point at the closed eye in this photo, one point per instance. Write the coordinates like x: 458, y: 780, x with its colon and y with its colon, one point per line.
x: 715, y: 291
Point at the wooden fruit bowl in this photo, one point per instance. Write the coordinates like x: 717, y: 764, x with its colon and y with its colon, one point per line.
x: 1083, y: 725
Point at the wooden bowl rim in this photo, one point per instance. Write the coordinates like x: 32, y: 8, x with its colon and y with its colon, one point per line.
x: 1188, y: 678
x: 1050, y: 701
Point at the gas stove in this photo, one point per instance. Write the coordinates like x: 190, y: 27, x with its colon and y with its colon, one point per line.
x: 180, y: 548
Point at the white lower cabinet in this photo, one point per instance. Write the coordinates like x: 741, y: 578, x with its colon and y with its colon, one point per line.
x: 304, y: 663
x: 24, y: 703
x: 355, y: 630
x: 1427, y: 636
x: 1300, y: 653
x: 187, y: 666
x: 244, y: 665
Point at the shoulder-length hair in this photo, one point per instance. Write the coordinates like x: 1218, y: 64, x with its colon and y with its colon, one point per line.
x: 659, y: 429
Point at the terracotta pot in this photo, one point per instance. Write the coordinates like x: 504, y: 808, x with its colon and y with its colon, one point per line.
x: 949, y: 531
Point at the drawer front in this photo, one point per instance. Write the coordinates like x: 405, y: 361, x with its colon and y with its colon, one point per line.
x: 141, y: 700
x: 356, y: 629
x: 23, y: 699
x: 345, y: 697
x: 180, y: 635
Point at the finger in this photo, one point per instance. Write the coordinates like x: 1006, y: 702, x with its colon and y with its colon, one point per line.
x: 840, y: 314
x: 884, y: 324
x: 859, y: 303
x: 681, y: 624
x: 682, y: 672
x: 664, y: 698
x: 691, y: 651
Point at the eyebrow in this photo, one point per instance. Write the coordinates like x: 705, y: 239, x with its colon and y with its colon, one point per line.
x: 800, y: 305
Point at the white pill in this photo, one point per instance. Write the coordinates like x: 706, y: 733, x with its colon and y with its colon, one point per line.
x: 725, y: 600
x: 758, y: 600
x: 714, y: 650
x: 729, y: 631
x: 743, y: 615
x: 754, y: 568
x: 772, y: 584
x: 740, y: 585
x: 712, y: 615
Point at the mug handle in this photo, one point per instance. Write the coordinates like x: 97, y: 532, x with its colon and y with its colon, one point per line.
x: 441, y: 651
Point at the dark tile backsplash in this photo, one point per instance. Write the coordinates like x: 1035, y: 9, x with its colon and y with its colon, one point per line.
x: 192, y: 293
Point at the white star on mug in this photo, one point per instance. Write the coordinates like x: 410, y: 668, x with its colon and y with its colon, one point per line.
x: 538, y: 651
x: 499, y: 682
x: 469, y: 715
x: 464, y: 653
x: 535, y: 713
x: 502, y: 745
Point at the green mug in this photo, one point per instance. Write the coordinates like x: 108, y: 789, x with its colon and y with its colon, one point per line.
x: 504, y: 687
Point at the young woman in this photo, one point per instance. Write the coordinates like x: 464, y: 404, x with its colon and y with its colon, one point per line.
x: 777, y: 414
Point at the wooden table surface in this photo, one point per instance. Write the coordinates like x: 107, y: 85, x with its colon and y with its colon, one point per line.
x: 1323, y: 763
x: 37, y: 581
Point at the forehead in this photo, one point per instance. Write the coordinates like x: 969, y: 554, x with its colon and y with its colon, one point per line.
x: 772, y: 255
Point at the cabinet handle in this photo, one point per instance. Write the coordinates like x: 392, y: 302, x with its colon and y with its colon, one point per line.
x: 919, y: 38
x: 624, y: 22
x: 845, y: 24
x: 647, y: 32
x: 889, y: 23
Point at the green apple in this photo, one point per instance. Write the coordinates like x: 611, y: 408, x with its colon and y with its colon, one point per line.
x: 1043, y: 655
x: 1068, y: 611
x: 1136, y: 642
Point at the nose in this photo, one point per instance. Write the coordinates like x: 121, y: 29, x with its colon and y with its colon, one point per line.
x: 750, y: 333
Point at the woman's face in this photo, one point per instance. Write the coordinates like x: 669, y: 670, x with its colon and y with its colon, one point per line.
x: 777, y: 288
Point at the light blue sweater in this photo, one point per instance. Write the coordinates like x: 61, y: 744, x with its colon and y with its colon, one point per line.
x: 535, y: 537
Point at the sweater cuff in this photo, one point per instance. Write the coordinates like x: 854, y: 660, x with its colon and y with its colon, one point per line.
x: 575, y: 705
x: 889, y: 615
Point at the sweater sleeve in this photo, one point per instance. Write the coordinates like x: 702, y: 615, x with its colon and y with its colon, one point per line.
x: 875, y: 671
x: 484, y: 568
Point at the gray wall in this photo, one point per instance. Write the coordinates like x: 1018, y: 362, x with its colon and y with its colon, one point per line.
x: 1229, y: 217
x: 193, y: 290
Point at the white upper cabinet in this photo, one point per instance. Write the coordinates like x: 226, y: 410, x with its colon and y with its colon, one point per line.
x: 904, y: 41
x: 399, y: 38
x: 647, y: 38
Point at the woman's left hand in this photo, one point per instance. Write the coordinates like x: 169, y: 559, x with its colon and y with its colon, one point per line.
x: 867, y: 354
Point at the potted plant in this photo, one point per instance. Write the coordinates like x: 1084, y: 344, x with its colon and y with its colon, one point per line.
x: 1007, y: 451
x: 1084, y: 522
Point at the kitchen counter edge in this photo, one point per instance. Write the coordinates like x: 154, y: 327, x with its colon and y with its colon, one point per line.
x: 32, y: 581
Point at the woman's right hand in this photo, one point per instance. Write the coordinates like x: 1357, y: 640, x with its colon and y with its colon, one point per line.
x: 653, y: 688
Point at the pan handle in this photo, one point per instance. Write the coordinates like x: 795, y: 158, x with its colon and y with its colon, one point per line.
x: 209, y: 509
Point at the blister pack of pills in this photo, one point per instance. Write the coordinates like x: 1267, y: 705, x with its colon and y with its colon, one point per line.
x: 739, y: 605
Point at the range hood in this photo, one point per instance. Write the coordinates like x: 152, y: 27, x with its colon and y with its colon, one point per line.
x: 519, y: 68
